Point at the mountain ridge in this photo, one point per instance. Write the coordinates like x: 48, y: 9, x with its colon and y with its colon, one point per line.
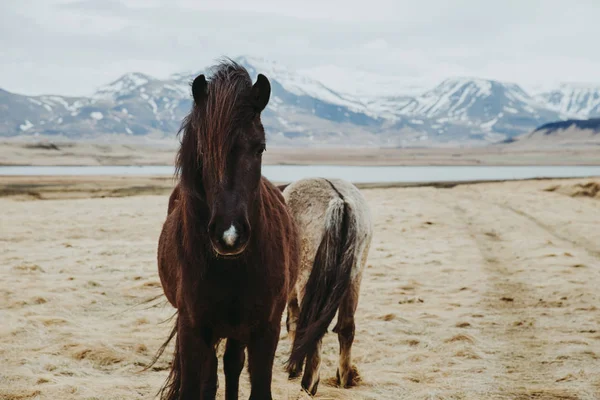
x: 302, y: 111
x: 577, y: 100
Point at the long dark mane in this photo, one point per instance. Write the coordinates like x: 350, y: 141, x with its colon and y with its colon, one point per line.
x: 207, y: 135
x: 207, y: 132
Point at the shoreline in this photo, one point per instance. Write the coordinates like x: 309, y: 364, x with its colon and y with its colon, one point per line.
x: 91, y: 154
x: 36, y: 187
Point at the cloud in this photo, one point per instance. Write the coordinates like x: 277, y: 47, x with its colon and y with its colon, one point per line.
x: 377, y: 44
x: 71, y: 47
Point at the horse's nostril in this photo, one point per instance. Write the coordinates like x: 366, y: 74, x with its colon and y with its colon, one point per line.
x: 230, y: 236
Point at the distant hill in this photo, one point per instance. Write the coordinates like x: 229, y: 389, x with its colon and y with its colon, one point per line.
x: 304, y: 111
x: 585, y: 124
x: 572, y: 132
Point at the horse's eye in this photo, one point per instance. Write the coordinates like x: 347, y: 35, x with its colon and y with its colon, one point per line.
x: 260, y: 150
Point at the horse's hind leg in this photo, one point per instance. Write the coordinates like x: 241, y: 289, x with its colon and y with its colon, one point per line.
x: 312, y: 376
x: 293, y: 311
x: 347, y: 374
x: 233, y: 363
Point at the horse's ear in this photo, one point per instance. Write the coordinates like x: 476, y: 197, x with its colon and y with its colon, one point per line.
x: 199, y: 89
x: 261, y: 91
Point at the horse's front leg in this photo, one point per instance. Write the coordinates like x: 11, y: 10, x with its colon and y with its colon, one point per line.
x: 210, y: 380
x: 261, y: 354
x: 193, y: 352
x: 233, y: 363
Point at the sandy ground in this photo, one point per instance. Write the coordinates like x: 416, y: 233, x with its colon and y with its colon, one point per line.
x: 83, y: 153
x: 476, y: 292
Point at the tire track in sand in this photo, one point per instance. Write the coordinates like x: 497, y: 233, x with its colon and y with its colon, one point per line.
x: 533, y: 292
x: 550, y: 230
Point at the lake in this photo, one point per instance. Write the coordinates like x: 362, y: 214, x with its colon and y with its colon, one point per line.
x: 356, y: 174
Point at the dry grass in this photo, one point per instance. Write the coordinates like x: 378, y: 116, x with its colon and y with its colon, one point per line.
x: 469, y: 306
x: 585, y: 189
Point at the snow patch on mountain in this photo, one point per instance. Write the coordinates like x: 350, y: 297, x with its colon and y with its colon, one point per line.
x: 299, y: 84
x: 26, y: 126
x: 573, y: 100
x: 451, y: 98
x: 124, y: 85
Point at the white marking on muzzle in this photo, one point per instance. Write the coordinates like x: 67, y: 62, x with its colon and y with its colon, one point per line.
x: 230, y: 236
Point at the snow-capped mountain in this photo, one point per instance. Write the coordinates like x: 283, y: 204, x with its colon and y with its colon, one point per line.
x: 573, y: 100
x: 123, y: 86
x: 299, y: 85
x: 294, y: 93
x: 479, y: 104
x: 302, y: 110
x: 29, y: 114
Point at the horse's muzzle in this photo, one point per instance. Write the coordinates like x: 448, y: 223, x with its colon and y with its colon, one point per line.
x: 229, y: 238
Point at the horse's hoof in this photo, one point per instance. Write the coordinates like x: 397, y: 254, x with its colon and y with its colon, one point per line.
x: 294, y: 372
x: 294, y: 375
x: 312, y: 390
x: 352, y: 378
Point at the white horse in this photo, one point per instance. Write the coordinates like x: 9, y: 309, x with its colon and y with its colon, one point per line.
x: 335, y: 229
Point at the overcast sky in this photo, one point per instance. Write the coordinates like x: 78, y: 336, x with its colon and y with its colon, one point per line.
x: 72, y: 47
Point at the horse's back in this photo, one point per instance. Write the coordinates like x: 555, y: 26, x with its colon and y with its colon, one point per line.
x: 359, y: 207
x: 308, y: 201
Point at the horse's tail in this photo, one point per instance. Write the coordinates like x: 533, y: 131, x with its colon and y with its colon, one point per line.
x: 170, y: 389
x: 329, y: 279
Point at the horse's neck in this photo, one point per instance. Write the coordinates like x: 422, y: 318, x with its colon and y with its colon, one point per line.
x: 262, y: 202
x: 266, y: 204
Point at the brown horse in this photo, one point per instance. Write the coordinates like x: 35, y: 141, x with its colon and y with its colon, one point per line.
x: 228, y: 252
